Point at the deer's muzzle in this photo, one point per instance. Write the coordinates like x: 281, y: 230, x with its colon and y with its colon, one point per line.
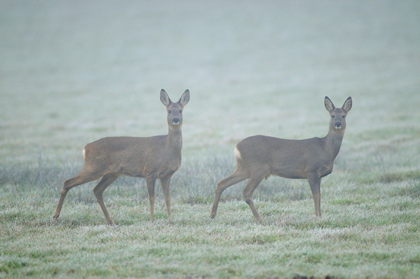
x: 176, y: 121
x: 338, y: 125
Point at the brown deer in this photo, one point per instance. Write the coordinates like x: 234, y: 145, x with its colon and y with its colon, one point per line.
x: 157, y: 157
x: 258, y: 157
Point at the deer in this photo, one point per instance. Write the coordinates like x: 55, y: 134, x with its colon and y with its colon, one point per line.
x: 152, y: 158
x: 259, y: 157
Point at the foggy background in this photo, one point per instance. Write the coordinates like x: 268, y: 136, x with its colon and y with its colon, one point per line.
x: 80, y: 70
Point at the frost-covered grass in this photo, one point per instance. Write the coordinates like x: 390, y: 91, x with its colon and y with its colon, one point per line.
x: 369, y: 229
x: 73, y: 72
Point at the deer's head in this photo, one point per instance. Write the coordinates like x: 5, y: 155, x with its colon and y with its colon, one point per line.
x: 174, y: 109
x: 338, y: 115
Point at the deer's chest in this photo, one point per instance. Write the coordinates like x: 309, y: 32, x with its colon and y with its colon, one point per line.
x: 167, y: 172
x: 168, y: 167
x: 326, y: 169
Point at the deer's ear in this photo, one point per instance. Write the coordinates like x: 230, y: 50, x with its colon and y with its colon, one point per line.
x: 164, y: 98
x: 347, y: 104
x: 185, y: 98
x: 329, y: 104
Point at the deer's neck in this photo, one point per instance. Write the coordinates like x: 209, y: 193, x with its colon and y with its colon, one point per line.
x: 333, y: 142
x: 175, y: 139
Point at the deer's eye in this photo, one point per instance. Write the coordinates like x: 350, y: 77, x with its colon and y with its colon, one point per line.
x: 169, y: 111
x: 180, y: 111
x: 343, y: 116
x: 332, y: 116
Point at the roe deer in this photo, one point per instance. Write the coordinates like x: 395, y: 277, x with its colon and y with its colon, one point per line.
x: 258, y: 157
x: 157, y: 157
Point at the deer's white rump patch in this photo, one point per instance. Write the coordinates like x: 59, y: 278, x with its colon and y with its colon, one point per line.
x: 237, y: 153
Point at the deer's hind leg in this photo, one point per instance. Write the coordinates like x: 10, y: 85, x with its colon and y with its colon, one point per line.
x: 252, y: 184
x: 106, y: 180
x: 236, y: 177
x: 83, y: 177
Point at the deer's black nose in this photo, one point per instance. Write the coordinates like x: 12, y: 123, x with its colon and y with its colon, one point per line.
x: 175, y: 121
x: 338, y: 125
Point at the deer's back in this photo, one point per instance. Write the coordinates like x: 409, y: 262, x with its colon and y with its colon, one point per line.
x: 132, y: 156
x: 284, y: 157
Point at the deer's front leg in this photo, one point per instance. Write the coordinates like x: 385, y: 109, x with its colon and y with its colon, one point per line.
x: 166, y: 189
x: 150, y: 182
x: 315, y: 184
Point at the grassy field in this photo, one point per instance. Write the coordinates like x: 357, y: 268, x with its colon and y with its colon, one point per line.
x: 75, y: 71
